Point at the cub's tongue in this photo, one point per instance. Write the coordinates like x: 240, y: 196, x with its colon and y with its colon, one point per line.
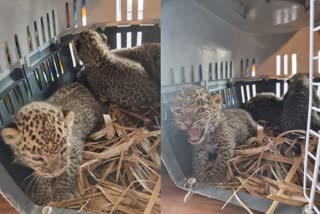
x: 194, y: 134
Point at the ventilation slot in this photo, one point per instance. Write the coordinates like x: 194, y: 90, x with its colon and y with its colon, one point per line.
x: 216, y: 71
x: 8, y: 103
x: 1, y: 120
x: 50, y: 70
x: 129, y: 39
x: 140, y: 9
x: 60, y: 63
x: 254, y: 90
x: 285, y: 87
x: 182, y: 75
x: 222, y: 93
x: 285, y: 64
x: 36, y: 33
x: 18, y: 95
x: 37, y: 76
x: 8, y: 56
x: 253, y: 67
x: 294, y: 63
x: 231, y: 74
x: 221, y: 71
x: 129, y: 9
x: 241, y: 68
x: 278, y: 64
x: 118, y: 40
x: 16, y: 41
x: 192, y: 76
x: 226, y: 70
x: 278, y: 90
x: 226, y: 91
x: 232, y: 96
x: 44, y: 73
x: 171, y: 76
x: 74, y: 63
x: 139, y: 38
x: 242, y: 94
x: 29, y: 39
x: 49, y: 26
x: 247, y: 68
x: 27, y: 88
x: 84, y: 12
x: 55, y: 66
x: 43, y: 30
x: 75, y: 13
x: 54, y: 23
x: 248, y: 92
x: 67, y: 16
x: 200, y: 73
x: 210, y: 72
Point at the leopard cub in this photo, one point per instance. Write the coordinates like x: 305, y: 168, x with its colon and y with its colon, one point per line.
x: 48, y: 137
x: 116, y: 77
x: 210, y: 130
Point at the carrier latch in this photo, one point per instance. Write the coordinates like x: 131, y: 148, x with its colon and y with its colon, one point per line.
x: 188, y: 186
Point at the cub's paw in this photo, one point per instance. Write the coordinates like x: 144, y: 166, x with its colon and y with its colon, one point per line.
x: 47, y: 210
x: 41, y: 200
x: 63, y: 195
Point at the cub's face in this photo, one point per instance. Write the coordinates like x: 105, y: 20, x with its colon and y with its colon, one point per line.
x: 90, y: 46
x: 298, y: 80
x: 195, y: 111
x: 41, y: 138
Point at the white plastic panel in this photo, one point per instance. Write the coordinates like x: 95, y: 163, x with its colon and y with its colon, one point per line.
x: 312, y: 176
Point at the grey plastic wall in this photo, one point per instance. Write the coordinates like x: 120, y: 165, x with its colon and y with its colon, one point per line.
x: 192, y: 35
x: 15, y: 16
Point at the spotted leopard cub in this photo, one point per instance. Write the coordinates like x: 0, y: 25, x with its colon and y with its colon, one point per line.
x: 148, y: 55
x: 112, y: 77
x: 210, y: 130
x: 265, y: 107
x: 48, y: 137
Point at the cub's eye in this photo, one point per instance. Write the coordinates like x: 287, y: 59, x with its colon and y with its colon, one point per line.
x: 178, y: 111
x: 200, y: 110
x: 40, y: 159
x: 63, y: 151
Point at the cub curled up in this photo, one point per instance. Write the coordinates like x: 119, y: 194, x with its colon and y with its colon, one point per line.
x: 48, y: 137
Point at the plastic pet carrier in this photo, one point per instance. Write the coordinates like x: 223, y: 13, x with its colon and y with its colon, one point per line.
x: 37, y: 57
x: 236, y: 48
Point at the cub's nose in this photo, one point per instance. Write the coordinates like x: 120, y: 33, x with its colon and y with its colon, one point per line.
x: 188, y: 123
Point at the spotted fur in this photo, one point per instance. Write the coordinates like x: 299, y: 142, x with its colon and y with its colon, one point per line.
x: 148, y: 55
x: 115, y: 78
x: 220, y: 131
x: 295, y: 105
x: 49, y: 139
x: 265, y: 107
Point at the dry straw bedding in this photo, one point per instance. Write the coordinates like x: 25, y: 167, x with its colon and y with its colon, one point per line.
x: 121, y: 172
x: 272, y: 168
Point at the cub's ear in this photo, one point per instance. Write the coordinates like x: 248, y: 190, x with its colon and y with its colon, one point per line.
x: 104, y: 37
x: 11, y: 136
x: 217, y: 101
x: 69, y: 119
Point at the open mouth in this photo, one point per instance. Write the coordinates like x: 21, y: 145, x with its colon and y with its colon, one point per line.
x: 195, y: 135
